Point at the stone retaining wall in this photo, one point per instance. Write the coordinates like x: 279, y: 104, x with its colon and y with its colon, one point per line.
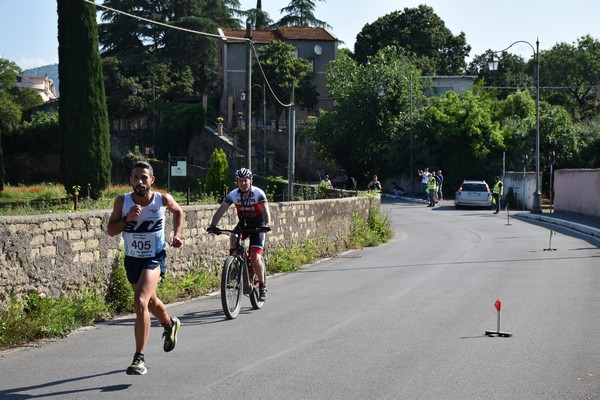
x: 58, y: 253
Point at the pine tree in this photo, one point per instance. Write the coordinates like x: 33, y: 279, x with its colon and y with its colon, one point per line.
x: 259, y: 18
x: 83, y: 118
x: 301, y: 13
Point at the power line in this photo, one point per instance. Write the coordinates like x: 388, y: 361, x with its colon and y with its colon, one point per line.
x: 196, y: 33
x: 162, y: 23
x: 541, y: 87
x: 262, y: 72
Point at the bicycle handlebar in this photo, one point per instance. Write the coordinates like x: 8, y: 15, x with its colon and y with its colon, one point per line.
x: 239, y: 231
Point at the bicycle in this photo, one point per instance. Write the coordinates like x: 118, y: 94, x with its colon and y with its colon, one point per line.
x: 238, y: 273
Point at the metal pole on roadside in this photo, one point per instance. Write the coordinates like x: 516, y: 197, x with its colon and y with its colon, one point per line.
x: 551, y: 160
x: 291, y: 146
x: 248, y: 95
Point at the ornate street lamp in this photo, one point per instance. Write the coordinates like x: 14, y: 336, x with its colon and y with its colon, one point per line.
x: 493, y: 65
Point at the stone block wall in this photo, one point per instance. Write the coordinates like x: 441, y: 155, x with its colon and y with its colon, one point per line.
x: 59, y: 253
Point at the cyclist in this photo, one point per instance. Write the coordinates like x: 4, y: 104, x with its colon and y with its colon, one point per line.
x: 253, y: 212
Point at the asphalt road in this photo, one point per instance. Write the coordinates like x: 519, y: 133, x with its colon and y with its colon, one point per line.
x: 405, y: 320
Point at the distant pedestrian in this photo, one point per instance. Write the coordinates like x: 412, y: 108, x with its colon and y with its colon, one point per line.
x: 497, y: 193
x: 437, y: 182
x: 375, y: 184
x: 431, y: 188
x: 424, y: 174
x: 398, y: 190
x: 440, y: 183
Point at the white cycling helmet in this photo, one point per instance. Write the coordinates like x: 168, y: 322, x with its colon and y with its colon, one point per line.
x: 243, y: 173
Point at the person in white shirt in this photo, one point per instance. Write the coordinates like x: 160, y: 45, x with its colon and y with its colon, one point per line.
x: 140, y: 216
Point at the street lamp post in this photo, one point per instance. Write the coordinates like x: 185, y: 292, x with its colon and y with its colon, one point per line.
x: 412, y: 177
x: 493, y: 65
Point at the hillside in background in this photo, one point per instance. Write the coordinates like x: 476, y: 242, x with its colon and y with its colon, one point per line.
x: 50, y: 70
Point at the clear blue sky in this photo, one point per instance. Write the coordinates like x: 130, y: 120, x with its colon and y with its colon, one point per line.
x: 28, y: 27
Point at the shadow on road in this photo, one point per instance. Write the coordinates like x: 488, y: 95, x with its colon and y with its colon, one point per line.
x: 14, y: 393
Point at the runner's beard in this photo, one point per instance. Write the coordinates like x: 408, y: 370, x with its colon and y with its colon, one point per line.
x: 141, y: 191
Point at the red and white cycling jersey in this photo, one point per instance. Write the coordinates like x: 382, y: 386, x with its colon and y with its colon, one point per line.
x: 249, y: 209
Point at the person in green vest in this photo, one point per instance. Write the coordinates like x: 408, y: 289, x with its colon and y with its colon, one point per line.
x: 497, y: 193
x: 431, y: 188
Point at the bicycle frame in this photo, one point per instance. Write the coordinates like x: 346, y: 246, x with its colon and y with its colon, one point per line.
x: 248, y: 269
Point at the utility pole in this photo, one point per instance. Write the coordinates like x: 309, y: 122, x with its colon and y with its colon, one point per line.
x: 292, y: 145
x: 248, y: 110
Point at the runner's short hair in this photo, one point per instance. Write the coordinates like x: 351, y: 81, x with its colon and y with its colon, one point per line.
x: 144, y: 165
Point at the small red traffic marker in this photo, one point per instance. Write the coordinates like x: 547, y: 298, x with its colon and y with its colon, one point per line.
x: 497, y: 332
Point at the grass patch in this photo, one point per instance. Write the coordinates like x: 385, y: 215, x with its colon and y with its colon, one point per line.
x: 35, y: 317
x: 183, y: 287
x: 372, y: 232
x: 293, y: 257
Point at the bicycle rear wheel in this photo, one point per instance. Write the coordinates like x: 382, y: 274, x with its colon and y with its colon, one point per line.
x: 231, y: 286
x: 256, y: 303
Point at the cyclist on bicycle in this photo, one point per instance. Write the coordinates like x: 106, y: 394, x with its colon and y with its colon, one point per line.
x: 253, y: 212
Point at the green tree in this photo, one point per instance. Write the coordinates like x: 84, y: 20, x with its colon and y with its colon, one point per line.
x: 558, y: 134
x: 83, y: 118
x: 513, y: 72
x: 517, y: 118
x: 178, y: 124
x: 10, y: 115
x: 136, y: 42
x: 10, y: 112
x: 283, y: 70
x: 420, y: 34
x: 8, y: 73
x: 301, y: 13
x: 13, y: 101
x: 589, y: 132
x: 37, y: 137
x: 258, y: 17
x: 368, y: 129
x: 462, y: 137
x: 217, y: 179
x: 146, y: 63
x: 574, y: 69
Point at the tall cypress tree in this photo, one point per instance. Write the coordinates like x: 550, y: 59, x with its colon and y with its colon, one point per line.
x: 83, y: 117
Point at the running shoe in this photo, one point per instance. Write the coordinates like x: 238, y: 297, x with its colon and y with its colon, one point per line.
x: 137, y: 367
x: 262, y: 293
x: 170, y: 334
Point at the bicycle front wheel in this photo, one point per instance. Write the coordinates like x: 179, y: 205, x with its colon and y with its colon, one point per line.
x: 231, y: 286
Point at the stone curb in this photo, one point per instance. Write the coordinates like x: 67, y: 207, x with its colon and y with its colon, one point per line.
x: 588, y: 230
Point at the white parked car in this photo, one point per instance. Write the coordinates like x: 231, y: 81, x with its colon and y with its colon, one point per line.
x: 473, y: 194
